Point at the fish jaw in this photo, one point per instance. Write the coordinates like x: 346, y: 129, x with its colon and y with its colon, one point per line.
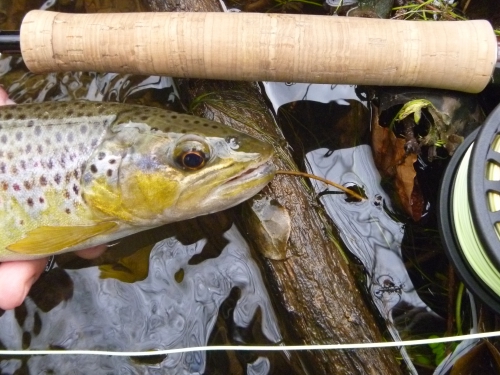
x: 240, y: 187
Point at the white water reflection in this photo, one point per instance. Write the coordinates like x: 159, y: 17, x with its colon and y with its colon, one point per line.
x: 280, y: 93
x: 371, y: 235
x: 158, y: 312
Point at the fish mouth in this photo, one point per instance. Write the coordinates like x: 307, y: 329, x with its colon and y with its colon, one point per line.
x: 263, y: 170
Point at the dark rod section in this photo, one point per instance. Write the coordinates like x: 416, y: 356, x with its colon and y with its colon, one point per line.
x: 10, y: 41
x: 498, y: 49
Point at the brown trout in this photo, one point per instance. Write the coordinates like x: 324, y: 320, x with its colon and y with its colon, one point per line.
x: 79, y: 174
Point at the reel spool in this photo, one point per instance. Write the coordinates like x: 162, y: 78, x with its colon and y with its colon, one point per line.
x: 469, y: 205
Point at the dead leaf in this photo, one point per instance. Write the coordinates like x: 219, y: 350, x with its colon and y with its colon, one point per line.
x: 394, y: 163
x: 483, y: 359
x: 272, y: 225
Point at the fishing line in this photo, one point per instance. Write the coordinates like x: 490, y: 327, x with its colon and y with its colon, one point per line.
x: 368, y: 345
x: 466, y: 232
x: 324, y: 180
x: 469, y: 211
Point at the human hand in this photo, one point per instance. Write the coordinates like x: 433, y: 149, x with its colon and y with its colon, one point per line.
x: 16, y: 278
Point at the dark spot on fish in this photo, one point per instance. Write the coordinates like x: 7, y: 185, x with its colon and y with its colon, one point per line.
x: 83, y: 198
x: 16, y: 187
x: 38, y: 130
x: 196, y: 121
x: 101, y: 110
x: 75, y: 189
x: 10, y: 155
x: 50, y: 164
x: 2, y: 167
x: 186, y: 120
x: 8, y: 116
x: 57, y: 178
x: 5, y: 185
x: 48, y: 141
x: 39, y: 149
x: 45, y: 116
x: 70, y: 137
x: 93, y: 168
x: 30, y: 123
x: 69, y: 112
x: 76, y: 174
x: 154, y: 129
x: 41, y: 200
x: 109, y: 172
x: 58, y: 137
x: 23, y: 164
x: 28, y: 148
x: 83, y: 129
x: 79, y: 114
x: 27, y: 185
x: 67, y: 195
x: 101, y: 155
x: 19, y: 136
x: 22, y: 116
x: 21, y: 222
x: 67, y: 210
x: 112, y: 161
x: 67, y: 178
x: 144, y: 117
x: 30, y: 202
x: 215, y: 127
x: 43, y: 181
x: 3, y: 139
x: 94, y: 142
x: 173, y: 117
x: 183, y: 131
x: 13, y: 169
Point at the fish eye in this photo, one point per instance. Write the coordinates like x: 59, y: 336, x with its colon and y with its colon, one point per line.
x: 192, y: 160
x: 191, y: 153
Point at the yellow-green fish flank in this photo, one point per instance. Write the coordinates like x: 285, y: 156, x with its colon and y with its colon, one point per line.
x: 79, y: 174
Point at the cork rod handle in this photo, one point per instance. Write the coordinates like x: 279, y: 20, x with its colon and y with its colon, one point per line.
x: 265, y: 47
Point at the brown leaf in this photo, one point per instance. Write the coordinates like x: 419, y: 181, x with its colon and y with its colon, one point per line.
x: 483, y: 359
x: 393, y: 162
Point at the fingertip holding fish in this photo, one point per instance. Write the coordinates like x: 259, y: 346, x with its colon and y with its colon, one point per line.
x: 4, y: 98
x: 16, y: 279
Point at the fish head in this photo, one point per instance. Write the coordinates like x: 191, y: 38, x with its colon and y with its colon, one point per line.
x: 166, y: 170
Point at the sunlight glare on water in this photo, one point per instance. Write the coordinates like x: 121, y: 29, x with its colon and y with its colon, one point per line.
x: 158, y: 312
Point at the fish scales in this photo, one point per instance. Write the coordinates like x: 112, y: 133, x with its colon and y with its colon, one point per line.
x: 77, y: 174
x: 40, y: 156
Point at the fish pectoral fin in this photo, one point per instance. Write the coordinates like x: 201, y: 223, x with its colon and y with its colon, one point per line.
x: 48, y: 240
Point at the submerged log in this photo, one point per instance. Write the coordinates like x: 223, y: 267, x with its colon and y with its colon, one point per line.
x: 313, y: 288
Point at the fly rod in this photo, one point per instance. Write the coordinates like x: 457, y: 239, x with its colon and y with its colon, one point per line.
x: 457, y: 55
